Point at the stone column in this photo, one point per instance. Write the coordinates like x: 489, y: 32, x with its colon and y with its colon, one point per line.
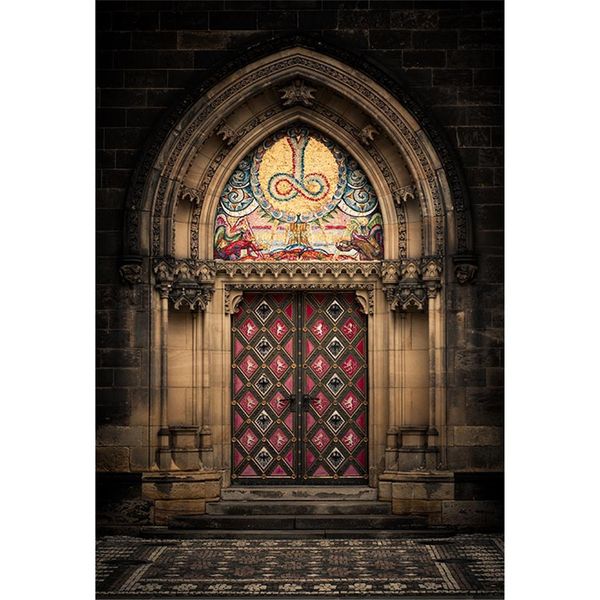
x: 164, y: 453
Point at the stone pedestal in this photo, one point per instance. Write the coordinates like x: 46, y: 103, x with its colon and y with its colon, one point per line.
x: 418, y: 493
x: 180, y: 493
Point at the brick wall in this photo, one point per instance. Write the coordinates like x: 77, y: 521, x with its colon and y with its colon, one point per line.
x: 452, y: 55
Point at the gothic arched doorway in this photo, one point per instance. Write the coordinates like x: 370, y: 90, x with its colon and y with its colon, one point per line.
x: 227, y: 218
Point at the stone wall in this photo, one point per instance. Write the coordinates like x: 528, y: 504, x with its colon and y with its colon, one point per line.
x: 451, y: 53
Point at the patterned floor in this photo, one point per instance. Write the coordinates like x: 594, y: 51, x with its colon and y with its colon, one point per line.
x: 462, y: 566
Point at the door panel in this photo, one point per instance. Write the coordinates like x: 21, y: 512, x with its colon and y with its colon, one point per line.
x: 334, y: 383
x: 264, y: 380
x: 299, y: 378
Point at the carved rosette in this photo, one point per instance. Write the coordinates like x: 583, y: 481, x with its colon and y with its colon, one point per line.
x: 465, y: 268
x: 297, y: 92
x: 188, y: 283
x: 419, y: 280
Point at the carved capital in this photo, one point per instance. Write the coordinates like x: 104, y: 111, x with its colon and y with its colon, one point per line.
x: 407, y: 297
x: 410, y: 270
x: 188, y: 283
x: 465, y: 268
x: 297, y: 92
x: 390, y: 271
x: 193, y: 296
x: 164, y: 276
x: 431, y: 268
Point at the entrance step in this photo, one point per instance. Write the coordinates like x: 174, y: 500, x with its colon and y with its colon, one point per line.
x: 306, y: 492
x: 298, y: 507
x: 164, y: 533
x: 307, y: 522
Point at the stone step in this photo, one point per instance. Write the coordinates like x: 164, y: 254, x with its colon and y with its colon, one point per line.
x: 298, y: 507
x: 164, y: 533
x: 293, y: 522
x: 305, y: 492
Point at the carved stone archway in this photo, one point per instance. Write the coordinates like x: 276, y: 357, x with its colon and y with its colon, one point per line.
x: 168, y: 233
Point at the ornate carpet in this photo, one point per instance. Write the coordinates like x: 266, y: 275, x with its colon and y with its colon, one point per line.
x: 459, y: 566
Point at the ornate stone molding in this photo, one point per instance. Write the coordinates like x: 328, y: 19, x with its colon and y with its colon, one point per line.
x: 465, y: 268
x: 365, y: 292
x: 139, y: 197
x: 306, y: 269
x: 410, y: 282
x: 297, y: 92
x: 188, y: 283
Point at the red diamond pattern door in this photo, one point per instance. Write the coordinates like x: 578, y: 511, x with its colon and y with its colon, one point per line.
x: 293, y: 425
x: 334, y: 384
x: 264, y: 380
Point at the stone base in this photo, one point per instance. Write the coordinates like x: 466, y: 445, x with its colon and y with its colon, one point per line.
x: 433, y: 494
x: 179, y: 493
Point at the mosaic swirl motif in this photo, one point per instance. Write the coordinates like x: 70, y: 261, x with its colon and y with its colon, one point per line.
x: 298, y: 196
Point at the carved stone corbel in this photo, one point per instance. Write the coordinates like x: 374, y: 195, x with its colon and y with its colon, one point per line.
x: 227, y: 133
x: 367, y: 135
x: 189, y: 194
x: 164, y: 276
x: 131, y: 271
x: 465, y: 268
x: 366, y: 299
x: 232, y: 300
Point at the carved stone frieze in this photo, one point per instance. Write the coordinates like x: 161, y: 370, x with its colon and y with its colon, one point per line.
x: 297, y: 92
x: 365, y: 292
x: 290, y: 269
x: 465, y: 268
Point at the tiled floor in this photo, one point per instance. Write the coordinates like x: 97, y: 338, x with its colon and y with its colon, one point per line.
x: 460, y: 566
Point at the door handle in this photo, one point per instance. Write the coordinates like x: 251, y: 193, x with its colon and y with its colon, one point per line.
x: 308, y: 399
x: 292, y: 401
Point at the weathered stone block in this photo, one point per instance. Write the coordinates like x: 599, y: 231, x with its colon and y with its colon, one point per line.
x: 165, y: 509
x: 112, y: 458
x: 422, y: 491
x: 408, y: 507
x: 478, y: 436
x: 385, y: 490
x: 471, y: 513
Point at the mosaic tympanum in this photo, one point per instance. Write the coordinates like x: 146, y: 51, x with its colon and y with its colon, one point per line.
x: 298, y: 196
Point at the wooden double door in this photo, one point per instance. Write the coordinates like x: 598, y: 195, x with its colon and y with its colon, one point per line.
x: 299, y: 384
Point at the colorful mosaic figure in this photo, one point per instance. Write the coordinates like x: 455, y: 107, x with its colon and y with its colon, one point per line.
x: 298, y: 196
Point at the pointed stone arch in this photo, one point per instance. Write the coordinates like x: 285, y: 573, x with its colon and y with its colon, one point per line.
x: 170, y: 215
x: 225, y: 117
